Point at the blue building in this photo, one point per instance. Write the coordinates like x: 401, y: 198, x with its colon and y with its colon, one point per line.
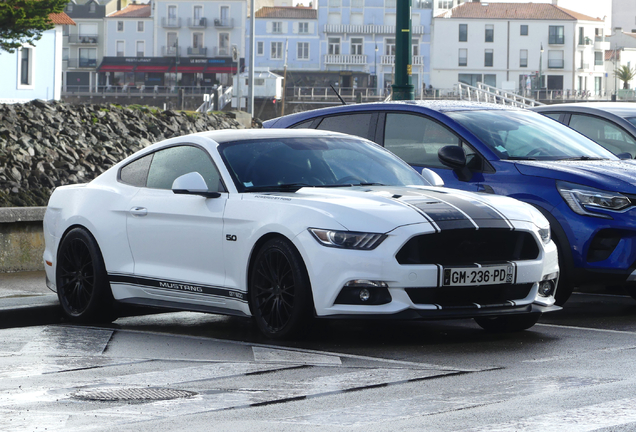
x: 35, y: 71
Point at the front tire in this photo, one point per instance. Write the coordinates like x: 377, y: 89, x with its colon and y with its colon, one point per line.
x: 280, y: 291
x: 508, y: 323
x: 82, y: 282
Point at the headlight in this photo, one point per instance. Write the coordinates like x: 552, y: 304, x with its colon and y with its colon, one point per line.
x: 347, y: 239
x: 581, y: 198
x: 544, y: 233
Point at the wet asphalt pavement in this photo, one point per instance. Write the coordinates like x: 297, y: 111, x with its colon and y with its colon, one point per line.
x: 575, y: 370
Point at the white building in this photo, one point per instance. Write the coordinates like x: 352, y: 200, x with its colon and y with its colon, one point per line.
x: 35, y: 71
x: 624, y: 15
x: 510, y: 44
x: 622, y: 52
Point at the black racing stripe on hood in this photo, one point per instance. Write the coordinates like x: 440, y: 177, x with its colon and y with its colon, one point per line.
x: 442, y: 213
x: 482, y: 214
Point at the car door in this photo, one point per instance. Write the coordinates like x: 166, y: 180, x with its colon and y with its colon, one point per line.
x: 176, y: 240
x: 608, y: 134
x: 417, y: 139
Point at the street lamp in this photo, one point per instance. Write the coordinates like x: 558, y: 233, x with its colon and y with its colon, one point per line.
x: 176, y: 62
x: 375, y: 67
x: 540, y: 66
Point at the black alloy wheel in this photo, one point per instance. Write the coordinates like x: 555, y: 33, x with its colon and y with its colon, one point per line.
x: 81, y: 279
x: 280, y: 292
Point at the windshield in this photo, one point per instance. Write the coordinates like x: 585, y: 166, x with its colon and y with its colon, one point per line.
x: 524, y: 135
x: 287, y: 164
x: 632, y: 120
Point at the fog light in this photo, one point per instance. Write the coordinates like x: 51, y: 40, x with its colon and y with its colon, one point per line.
x: 546, y: 288
x: 364, y: 294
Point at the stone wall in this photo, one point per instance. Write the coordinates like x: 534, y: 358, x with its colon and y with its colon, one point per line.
x: 48, y: 144
x: 21, y: 239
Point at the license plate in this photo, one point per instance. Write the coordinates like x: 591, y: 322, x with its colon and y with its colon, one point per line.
x: 486, y: 275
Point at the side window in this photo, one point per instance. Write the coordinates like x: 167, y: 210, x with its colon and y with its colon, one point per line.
x: 136, y: 172
x: 417, y: 139
x: 604, y: 132
x: 352, y: 124
x: 173, y: 162
x: 303, y: 125
x: 553, y: 116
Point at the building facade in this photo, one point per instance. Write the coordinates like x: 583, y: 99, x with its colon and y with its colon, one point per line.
x: 520, y: 47
x: 35, y: 71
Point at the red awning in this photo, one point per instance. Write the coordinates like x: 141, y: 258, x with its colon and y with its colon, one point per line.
x: 116, y: 68
x: 151, y: 68
x: 189, y: 69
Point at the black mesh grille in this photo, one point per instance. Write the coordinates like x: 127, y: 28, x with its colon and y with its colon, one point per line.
x: 468, y: 246
x: 456, y: 297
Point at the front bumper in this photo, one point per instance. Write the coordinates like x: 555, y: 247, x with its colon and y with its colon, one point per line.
x: 329, y: 271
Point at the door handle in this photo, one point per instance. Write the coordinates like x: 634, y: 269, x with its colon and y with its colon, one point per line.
x: 139, y: 211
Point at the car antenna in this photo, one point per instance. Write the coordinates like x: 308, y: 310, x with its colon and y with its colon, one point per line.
x: 337, y: 94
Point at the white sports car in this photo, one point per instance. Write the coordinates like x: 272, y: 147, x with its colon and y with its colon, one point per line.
x: 285, y: 225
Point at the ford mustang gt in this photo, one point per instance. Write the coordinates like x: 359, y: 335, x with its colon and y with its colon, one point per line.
x: 288, y: 225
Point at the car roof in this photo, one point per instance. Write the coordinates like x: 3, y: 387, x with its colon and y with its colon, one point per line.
x: 230, y: 135
x: 621, y: 109
x: 418, y: 105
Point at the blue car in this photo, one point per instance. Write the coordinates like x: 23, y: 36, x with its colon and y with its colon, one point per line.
x: 586, y: 192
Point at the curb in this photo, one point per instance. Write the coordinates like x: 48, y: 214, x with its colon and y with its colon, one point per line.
x: 30, y: 311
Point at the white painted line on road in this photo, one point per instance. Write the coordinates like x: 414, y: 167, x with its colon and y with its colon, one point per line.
x: 587, y: 329
x: 272, y: 355
x: 583, y: 419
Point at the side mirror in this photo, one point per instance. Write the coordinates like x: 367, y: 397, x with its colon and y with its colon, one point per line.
x: 432, y: 177
x: 192, y: 184
x: 454, y: 157
x: 624, y: 156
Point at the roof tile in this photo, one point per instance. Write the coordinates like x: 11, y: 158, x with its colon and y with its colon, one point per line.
x: 287, y: 12
x: 527, y: 11
x: 133, y: 11
x: 61, y: 19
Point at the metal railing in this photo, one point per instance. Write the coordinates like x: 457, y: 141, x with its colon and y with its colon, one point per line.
x: 168, y: 51
x: 197, y: 51
x: 197, y: 23
x: 81, y: 63
x: 485, y: 93
x: 368, y: 29
x: 346, y: 59
x: 170, y: 22
x: 132, y: 90
x: 83, y: 39
x: 224, y: 22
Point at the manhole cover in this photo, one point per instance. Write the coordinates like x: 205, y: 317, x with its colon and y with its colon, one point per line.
x: 132, y: 394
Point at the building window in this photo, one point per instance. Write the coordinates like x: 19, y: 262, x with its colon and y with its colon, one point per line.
x: 358, y: 4
x: 555, y: 59
x: 490, y: 33
x: 120, y: 49
x: 141, y: 48
x: 277, y: 27
x: 335, y: 3
x: 445, y: 4
x: 334, y: 46
x: 87, y: 57
x: 303, y: 51
x: 524, y: 30
x: 463, y: 57
x: 488, y: 54
x: 463, y: 32
x: 303, y: 27
x: 260, y: 48
x: 172, y: 16
x: 65, y: 52
x: 92, y: 8
x: 25, y: 66
x: 224, y: 44
x: 120, y: 26
x: 277, y: 50
x: 581, y: 36
x: 197, y: 12
x: 389, y: 4
x: 171, y: 43
x: 356, y: 46
x: 140, y: 26
x: 523, y: 58
x: 65, y: 31
x: 415, y: 50
x: 598, y: 58
x: 197, y: 40
x: 556, y: 35
x: 389, y: 46
x: 69, y: 7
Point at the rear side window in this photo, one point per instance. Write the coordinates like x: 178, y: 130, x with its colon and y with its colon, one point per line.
x: 554, y: 116
x: 136, y: 172
x: 417, y: 139
x: 303, y: 125
x: 352, y: 124
x: 612, y: 137
x: 173, y: 162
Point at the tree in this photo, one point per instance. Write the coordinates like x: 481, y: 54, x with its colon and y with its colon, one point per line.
x: 625, y: 74
x: 23, y: 21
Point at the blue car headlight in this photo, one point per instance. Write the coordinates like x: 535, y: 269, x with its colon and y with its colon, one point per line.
x: 347, y: 239
x: 581, y: 199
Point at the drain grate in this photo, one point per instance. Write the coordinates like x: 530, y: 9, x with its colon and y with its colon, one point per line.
x: 132, y: 394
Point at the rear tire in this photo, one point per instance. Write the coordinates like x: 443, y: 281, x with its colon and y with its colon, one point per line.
x: 82, y: 282
x: 508, y: 323
x: 279, y: 290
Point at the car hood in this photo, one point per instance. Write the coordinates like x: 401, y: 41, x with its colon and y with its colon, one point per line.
x: 384, y: 208
x: 611, y: 175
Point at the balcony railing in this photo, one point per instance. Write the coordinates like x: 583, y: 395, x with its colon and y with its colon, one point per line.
x: 224, y: 22
x: 81, y: 63
x: 390, y: 59
x: 169, y: 51
x: 197, y: 51
x: 355, y: 59
x: 171, y: 22
x: 557, y: 63
x: 220, y: 51
x: 368, y: 29
x: 583, y: 66
x: 197, y: 23
x: 600, y: 44
x: 83, y: 39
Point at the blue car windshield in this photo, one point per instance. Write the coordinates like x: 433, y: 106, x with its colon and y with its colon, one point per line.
x: 287, y: 164
x: 524, y: 135
x: 632, y: 120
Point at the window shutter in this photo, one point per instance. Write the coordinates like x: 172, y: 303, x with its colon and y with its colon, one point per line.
x: 268, y: 27
x: 295, y: 27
